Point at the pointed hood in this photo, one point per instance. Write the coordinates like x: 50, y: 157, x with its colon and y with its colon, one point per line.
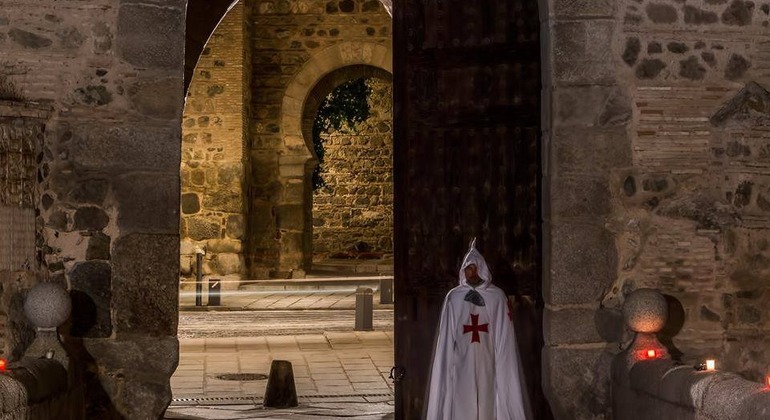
x: 474, y: 257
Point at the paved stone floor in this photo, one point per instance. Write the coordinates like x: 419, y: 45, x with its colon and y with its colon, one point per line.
x: 343, y: 374
x: 338, y: 372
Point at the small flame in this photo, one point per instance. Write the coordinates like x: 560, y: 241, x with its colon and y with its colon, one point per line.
x: 767, y: 379
x: 710, y: 364
x: 3, y: 365
x: 650, y: 354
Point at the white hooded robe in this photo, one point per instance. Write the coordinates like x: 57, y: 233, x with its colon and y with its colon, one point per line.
x: 476, y: 372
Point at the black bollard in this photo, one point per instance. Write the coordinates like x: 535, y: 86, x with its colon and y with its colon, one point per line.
x: 215, y: 287
x: 364, y: 309
x: 280, y: 391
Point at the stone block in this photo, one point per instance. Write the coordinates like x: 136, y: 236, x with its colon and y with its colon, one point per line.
x: 235, y: 227
x: 90, y: 218
x: 137, y: 370
x: 290, y: 217
x: 576, y: 325
x: 91, y: 293
x: 583, y: 8
x: 228, y: 264
x: 230, y: 174
x: 202, y: 228
x: 190, y: 203
x: 98, y: 247
x: 145, y: 296
x: 583, y: 263
x: 216, y: 246
x: 579, y: 105
x: 582, y: 52
x: 580, y: 197
x: 91, y: 191
x: 590, y: 150
x: 152, y: 36
x: 292, y: 171
x: 577, y: 382
x: 124, y: 148
x: 148, y: 202
x: 187, y: 247
x: 162, y: 98
x: 185, y: 265
x: 223, y: 200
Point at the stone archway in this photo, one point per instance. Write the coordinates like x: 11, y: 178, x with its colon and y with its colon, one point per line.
x: 303, y: 95
x: 363, y: 162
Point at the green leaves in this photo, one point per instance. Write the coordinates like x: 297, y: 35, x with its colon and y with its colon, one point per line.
x: 342, y: 109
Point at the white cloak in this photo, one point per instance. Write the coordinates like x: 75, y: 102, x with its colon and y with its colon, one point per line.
x: 476, y: 372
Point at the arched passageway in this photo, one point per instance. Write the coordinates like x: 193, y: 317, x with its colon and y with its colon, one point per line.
x: 350, y: 210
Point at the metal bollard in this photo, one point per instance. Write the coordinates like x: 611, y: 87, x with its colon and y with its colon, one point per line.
x: 386, y: 291
x: 199, y: 276
x: 215, y: 295
x: 364, y: 309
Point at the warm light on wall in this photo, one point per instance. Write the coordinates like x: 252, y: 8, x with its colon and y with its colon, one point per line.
x: 710, y: 364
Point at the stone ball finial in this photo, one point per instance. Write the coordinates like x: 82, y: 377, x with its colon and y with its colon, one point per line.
x: 645, y: 311
x: 47, y: 305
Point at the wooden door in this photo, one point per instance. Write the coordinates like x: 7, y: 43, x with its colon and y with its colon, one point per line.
x: 466, y: 163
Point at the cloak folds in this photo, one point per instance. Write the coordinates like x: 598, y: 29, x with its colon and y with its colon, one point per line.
x: 476, y: 372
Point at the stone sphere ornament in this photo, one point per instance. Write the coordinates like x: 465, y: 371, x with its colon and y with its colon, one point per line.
x: 47, y: 305
x: 645, y: 311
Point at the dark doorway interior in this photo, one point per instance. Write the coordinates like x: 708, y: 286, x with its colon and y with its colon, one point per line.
x: 467, y: 89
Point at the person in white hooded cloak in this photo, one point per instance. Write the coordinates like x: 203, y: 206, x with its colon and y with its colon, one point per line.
x: 476, y: 372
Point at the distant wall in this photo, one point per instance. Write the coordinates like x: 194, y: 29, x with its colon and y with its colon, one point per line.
x: 214, y: 153
x: 356, y: 205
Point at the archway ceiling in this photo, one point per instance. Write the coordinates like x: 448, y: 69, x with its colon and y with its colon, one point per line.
x: 203, y: 16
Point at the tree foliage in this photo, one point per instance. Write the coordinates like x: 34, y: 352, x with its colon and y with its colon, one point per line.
x: 341, y: 110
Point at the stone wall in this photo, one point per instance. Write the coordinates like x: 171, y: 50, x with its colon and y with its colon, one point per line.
x: 214, y: 154
x: 657, y: 179
x: 107, y: 192
x: 21, y: 143
x: 356, y: 204
x: 295, y: 44
x: 694, y: 218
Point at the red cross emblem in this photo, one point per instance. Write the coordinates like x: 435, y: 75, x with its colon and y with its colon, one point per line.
x: 475, y: 328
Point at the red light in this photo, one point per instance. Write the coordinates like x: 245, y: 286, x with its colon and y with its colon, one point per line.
x: 650, y: 354
x: 3, y: 365
x: 767, y: 379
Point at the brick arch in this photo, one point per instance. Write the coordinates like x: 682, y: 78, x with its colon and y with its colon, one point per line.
x: 318, y: 73
x: 203, y: 16
x: 301, y: 92
x: 327, y: 85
